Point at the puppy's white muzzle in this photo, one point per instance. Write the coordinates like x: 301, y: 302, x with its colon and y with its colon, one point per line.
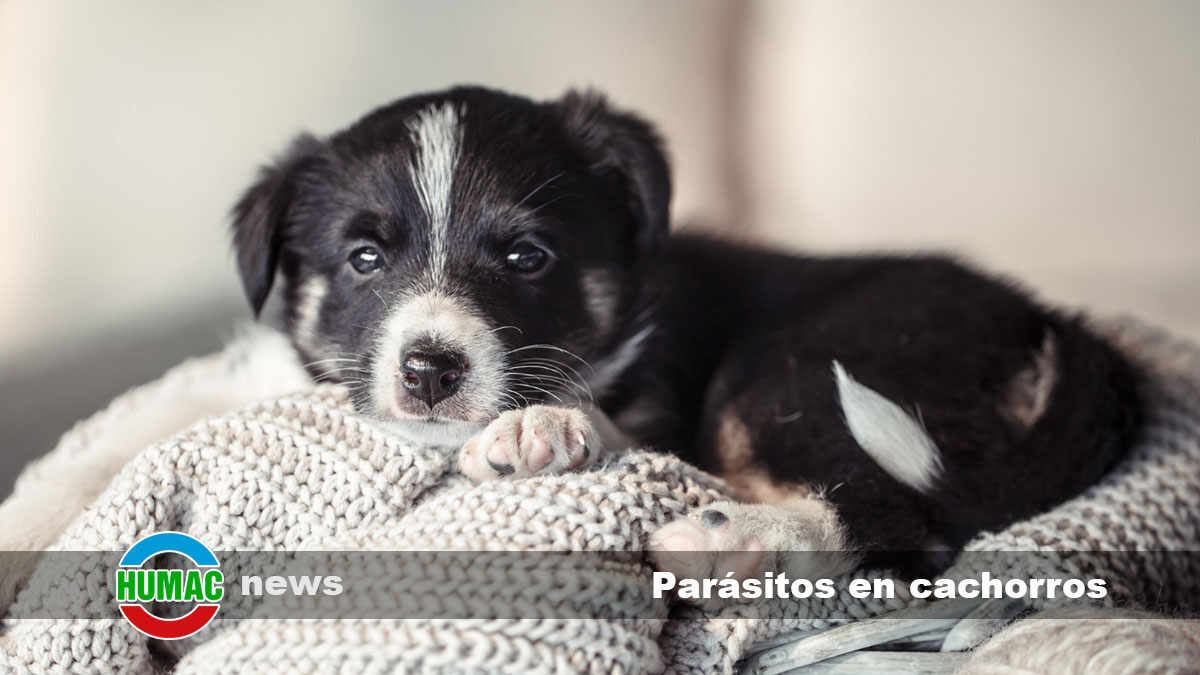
x: 437, y: 360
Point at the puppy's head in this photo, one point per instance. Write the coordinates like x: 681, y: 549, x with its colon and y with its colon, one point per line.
x: 456, y: 254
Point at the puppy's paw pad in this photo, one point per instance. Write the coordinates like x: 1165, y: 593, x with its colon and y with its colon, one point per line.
x: 802, y: 539
x: 536, y: 440
x: 709, y: 544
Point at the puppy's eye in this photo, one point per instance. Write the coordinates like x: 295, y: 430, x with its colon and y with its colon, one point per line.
x: 526, y: 258
x: 366, y: 259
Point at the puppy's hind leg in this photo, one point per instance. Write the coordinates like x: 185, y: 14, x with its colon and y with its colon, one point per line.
x: 800, y: 536
x: 781, y: 526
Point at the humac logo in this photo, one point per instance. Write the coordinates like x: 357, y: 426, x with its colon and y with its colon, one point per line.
x: 202, y: 586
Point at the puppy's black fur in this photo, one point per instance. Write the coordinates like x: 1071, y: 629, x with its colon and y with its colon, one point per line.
x: 756, y: 336
x: 676, y: 336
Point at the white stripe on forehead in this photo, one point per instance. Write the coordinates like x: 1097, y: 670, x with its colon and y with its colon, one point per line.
x: 436, y: 134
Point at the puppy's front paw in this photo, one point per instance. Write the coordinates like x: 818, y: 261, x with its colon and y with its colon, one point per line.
x: 540, y: 439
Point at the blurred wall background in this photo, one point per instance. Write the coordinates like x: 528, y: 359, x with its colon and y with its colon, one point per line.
x: 1053, y: 140
x: 1050, y: 140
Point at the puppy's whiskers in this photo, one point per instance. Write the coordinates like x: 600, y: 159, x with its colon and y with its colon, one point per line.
x: 547, y: 392
x: 552, y: 375
x: 551, y: 347
x: 557, y: 364
x: 535, y: 190
x: 337, y: 369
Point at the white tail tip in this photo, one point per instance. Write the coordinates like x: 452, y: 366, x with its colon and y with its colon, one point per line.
x: 896, y: 441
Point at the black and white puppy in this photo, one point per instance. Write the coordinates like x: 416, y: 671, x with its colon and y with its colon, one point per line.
x: 497, y: 273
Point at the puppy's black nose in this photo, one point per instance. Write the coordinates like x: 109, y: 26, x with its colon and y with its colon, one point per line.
x: 431, y: 376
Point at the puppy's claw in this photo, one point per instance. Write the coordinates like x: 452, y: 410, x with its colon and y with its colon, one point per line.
x: 502, y: 469
x: 531, y: 441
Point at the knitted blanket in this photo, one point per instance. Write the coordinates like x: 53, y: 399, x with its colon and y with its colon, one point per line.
x: 304, y: 472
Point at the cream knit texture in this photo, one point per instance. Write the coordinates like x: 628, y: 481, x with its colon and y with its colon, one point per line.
x: 304, y: 472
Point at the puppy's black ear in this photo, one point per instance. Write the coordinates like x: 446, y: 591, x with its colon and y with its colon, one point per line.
x: 259, y: 216
x: 624, y: 143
